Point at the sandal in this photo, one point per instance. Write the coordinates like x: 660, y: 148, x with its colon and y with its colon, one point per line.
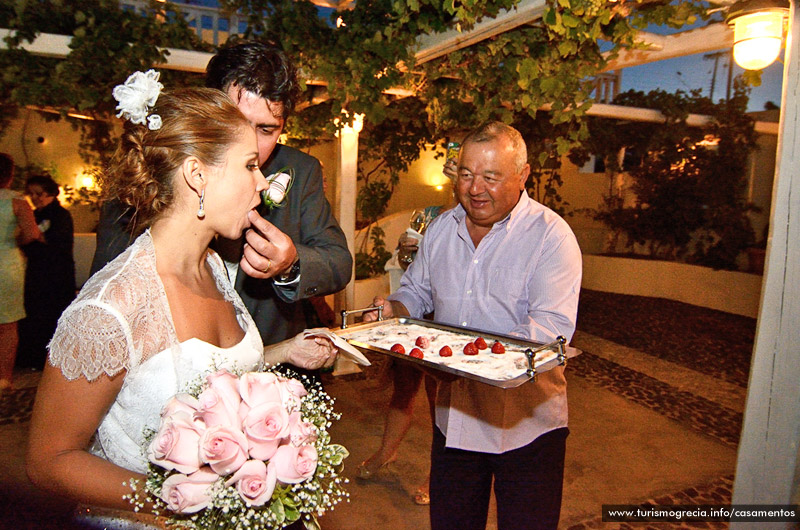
x: 422, y: 497
x: 364, y: 473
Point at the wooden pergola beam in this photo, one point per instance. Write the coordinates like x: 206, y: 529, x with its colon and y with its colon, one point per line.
x: 436, y: 45
x: 51, y: 45
x: 702, y: 40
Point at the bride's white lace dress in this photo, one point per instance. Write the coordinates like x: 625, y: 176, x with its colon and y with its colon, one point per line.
x: 121, y: 321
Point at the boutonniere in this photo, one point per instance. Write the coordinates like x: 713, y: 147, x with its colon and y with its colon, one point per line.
x: 280, y: 183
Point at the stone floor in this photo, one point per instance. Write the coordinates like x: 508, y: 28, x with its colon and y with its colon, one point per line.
x: 656, y: 404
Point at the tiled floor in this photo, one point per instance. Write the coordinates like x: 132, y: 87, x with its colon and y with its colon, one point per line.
x: 656, y: 403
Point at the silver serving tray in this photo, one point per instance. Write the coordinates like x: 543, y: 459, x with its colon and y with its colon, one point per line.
x: 531, y: 350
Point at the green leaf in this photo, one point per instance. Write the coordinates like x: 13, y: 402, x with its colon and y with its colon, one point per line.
x: 339, y: 451
x: 550, y: 17
x: 550, y: 85
x: 570, y: 21
x: 567, y: 47
x: 543, y: 156
x: 277, y: 508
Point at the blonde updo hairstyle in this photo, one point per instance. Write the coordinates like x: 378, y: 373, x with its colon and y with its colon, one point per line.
x: 200, y: 122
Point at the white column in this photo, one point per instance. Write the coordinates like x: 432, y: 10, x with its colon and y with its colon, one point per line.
x: 347, y: 164
x: 767, y: 468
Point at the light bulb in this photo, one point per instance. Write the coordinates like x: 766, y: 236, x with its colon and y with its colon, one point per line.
x: 757, y: 39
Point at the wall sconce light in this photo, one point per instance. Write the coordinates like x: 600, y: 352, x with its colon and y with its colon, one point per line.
x: 758, y: 28
x: 85, y: 179
x: 356, y: 127
x: 358, y: 122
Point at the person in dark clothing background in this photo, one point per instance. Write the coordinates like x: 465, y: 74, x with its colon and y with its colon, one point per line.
x: 49, y: 273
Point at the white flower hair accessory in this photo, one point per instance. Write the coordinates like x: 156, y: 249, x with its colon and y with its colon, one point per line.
x: 137, y: 96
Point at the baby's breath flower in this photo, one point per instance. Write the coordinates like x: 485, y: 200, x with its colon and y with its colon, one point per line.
x: 301, y: 501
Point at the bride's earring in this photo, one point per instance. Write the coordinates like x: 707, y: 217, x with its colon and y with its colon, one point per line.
x: 201, y: 212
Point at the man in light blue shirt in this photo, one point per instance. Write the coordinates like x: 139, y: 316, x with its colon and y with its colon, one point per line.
x: 503, y: 263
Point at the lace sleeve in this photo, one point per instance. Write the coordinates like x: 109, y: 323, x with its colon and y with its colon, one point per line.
x: 91, y: 339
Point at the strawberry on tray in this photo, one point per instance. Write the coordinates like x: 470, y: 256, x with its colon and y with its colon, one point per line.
x: 494, y: 359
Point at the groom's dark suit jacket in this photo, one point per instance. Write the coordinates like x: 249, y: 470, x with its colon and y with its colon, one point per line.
x: 325, y: 262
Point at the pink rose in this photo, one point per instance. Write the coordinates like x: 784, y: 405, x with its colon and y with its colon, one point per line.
x: 292, y: 392
x: 226, y: 383
x: 255, y: 482
x: 175, y: 445
x: 258, y: 388
x: 188, y: 494
x: 183, y: 402
x: 215, y: 409
x: 301, y: 432
x: 223, y: 448
x: 265, y: 427
x: 219, y: 402
x: 295, y: 464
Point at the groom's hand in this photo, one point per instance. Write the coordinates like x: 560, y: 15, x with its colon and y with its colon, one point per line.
x: 267, y: 251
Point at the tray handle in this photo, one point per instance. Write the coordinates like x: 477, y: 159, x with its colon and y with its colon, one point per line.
x: 558, y: 344
x: 345, y: 312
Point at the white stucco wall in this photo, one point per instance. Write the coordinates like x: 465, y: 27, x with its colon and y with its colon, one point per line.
x: 732, y: 292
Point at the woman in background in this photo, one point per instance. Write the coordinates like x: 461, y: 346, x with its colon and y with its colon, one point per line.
x: 49, y: 274
x: 17, y: 226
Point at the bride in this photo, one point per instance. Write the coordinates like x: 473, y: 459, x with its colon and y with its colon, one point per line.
x: 163, y: 312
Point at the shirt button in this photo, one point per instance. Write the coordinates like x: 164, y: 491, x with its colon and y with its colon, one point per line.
x: 463, y: 323
x: 474, y: 261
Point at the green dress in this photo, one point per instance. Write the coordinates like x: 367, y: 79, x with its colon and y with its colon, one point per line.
x: 12, y: 262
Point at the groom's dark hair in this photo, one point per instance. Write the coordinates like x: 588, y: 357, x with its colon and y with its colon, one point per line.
x: 258, y: 67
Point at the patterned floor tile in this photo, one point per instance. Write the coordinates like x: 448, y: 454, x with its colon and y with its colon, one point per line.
x: 695, y: 412
x: 717, y: 343
x: 719, y: 491
x: 16, y: 405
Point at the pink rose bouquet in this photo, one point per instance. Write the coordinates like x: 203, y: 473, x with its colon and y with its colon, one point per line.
x: 244, y: 451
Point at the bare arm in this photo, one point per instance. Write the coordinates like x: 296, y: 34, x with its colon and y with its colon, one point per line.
x: 29, y: 231
x: 309, y: 353
x: 65, y: 417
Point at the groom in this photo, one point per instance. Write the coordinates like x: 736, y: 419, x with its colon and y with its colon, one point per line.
x: 291, y: 253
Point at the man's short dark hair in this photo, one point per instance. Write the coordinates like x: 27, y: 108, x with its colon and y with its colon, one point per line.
x: 257, y: 67
x: 6, y: 168
x: 46, y: 182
